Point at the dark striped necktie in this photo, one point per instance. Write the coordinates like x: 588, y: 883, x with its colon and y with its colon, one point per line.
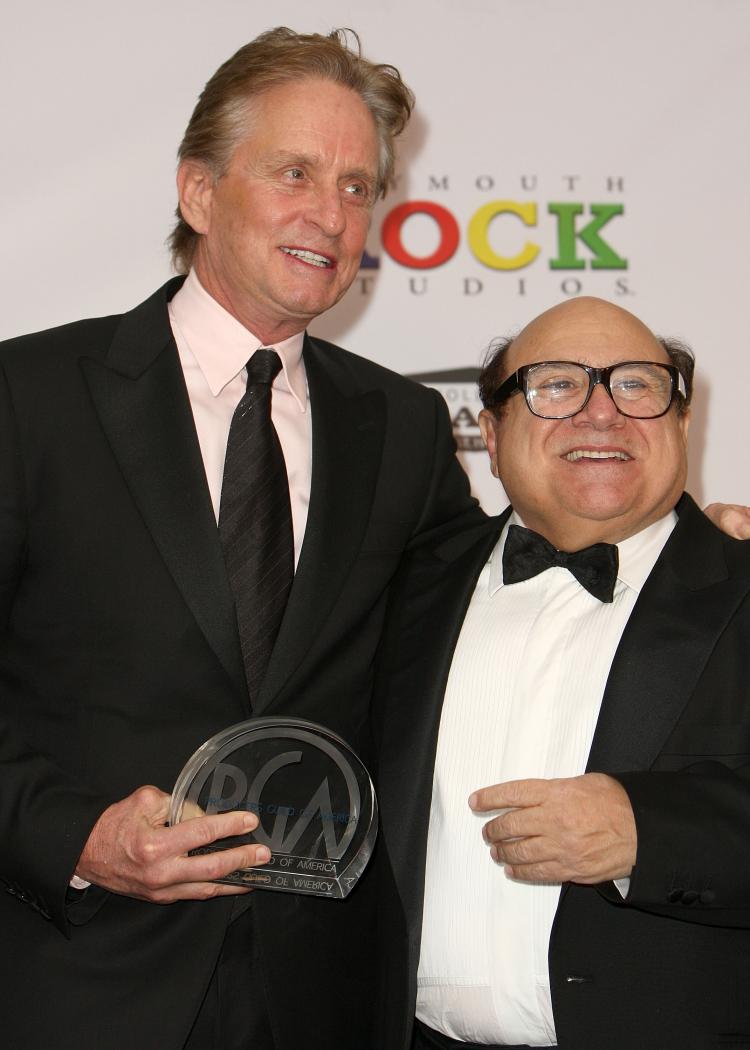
x: 255, y: 520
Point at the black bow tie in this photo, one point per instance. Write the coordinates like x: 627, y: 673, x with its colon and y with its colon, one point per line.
x: 526, y: 554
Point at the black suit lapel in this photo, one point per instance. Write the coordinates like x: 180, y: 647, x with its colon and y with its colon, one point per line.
x: 348, y: 431
x: 430, y: 600
x: 681, y: 611
x: 139, y: 393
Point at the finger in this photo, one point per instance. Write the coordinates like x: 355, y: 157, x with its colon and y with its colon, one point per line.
x: 202, y: 831
x: 715, y: 510
x: 736, y: 522
x: 511, y: 794
x: 208, y: 890
x: 525, y: 851
x: 160, y: 881
x: 191, y: 810
x: 544, y: 872
x: 195, y: 891
x: 206, y: 867
x: 516, y: 824
x: 732, y: 518
x: 159, y: 858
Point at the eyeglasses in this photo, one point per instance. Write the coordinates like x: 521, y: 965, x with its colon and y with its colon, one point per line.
x: 559, y: 389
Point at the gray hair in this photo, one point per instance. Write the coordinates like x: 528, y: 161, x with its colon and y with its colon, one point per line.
x: 278, y: 56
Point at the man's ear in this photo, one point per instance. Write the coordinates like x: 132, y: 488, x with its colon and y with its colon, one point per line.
x: 684, y: 421
x: 488, y: 425
x: 195, y: 187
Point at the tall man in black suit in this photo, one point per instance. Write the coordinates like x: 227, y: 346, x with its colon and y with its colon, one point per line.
x: 564, y: 740
x: 119, y: 646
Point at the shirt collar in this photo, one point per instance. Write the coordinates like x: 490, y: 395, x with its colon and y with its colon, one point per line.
x: 637, y: 554
x: 222, y: 346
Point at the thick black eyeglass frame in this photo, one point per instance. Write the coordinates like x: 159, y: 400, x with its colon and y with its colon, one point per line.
x: 518, y: 381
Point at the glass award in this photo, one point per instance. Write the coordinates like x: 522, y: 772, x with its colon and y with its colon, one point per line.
x: 313, y: 797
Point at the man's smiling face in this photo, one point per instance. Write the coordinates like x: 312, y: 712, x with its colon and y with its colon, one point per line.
x: 598, y: 475
x: 284, y: 228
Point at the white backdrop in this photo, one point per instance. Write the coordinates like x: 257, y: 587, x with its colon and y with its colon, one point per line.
x: 639, y: 107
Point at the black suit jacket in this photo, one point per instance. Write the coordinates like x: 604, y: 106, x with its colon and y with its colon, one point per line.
x: 670, y: 965
x: 119, y: 656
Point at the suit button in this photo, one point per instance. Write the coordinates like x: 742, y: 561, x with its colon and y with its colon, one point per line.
x: 675, y: 896
x: 576, y: 978
x: 707, y: 897
x: 689, y: 897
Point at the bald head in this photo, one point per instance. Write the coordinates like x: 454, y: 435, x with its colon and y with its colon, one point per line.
x: 599, y: 472
x: 582, y: 323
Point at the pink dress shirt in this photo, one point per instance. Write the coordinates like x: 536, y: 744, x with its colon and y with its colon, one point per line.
x: 214, y: 349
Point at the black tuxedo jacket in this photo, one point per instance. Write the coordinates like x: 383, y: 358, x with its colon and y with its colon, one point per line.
x: 119, y: 656
x: 670, y: 965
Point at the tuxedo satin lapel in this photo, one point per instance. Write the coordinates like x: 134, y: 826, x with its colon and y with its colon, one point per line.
x: 139, y: 393
x: 348, y: 430
x: 681, y: 611
x: 422, y: 635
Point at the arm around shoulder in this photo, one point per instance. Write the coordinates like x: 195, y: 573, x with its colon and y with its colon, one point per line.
x: 449, y: 505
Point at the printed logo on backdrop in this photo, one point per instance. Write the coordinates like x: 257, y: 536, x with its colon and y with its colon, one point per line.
x: 458, y: 387
x: 565, y: 231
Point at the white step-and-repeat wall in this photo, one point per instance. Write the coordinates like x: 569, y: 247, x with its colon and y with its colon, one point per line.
x: 560, y: 147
